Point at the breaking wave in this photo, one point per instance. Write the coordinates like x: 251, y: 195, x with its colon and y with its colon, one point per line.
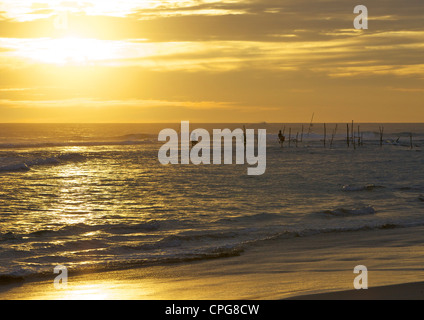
x: 368, y: 187
x: 343, y: 212
x: 129, y: 140
x: 131, y: 256
x: 25, y: 164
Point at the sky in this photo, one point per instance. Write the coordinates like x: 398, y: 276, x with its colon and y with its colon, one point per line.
x: 210, y: 61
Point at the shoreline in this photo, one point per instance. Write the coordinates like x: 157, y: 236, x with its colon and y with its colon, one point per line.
x: 315, y: 267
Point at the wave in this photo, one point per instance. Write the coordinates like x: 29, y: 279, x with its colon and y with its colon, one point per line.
x: 366, y: 135
x: 343, y: 212
x: 75, y: 157
x: 367, y: 187
x: 8, y: 279
x: 406, y: 134
x: 25, y: 164
x: 81, y: 228
x: 197, y: 236
x: 124, y: 259
x: 368, y: 227
x: 22, y: 274
x: 255, y: 217
x: 9, y: 236
x: 179, y: 240
x: 132, y: 137
x: 14, y: 167
x: 128, y: 140
x: 415, y: 188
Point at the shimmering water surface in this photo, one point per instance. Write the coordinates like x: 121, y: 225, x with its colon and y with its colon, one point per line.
x: 95, y: 197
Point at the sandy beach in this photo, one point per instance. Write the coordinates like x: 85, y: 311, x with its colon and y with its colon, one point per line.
x: 304, y: 268
x: 406, y: 291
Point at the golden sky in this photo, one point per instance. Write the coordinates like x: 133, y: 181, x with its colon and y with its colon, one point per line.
x: 210, y: 61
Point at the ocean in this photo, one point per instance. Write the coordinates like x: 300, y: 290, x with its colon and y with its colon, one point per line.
x: 94, y: 197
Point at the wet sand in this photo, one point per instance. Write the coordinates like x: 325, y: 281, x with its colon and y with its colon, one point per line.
x: 314, y: 267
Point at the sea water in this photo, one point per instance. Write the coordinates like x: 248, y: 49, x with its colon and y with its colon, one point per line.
x: 94, y: 197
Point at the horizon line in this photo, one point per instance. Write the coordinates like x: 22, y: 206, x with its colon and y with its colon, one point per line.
x: 200, y: 122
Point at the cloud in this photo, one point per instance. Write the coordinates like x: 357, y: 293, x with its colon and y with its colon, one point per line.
x: 89, y: 110
x: 93, y: 103
x: 297, y: 56
x: 262, y: 20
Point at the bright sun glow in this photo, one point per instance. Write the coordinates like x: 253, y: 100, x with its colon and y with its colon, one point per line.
x: 71, y: 50
x: 86, y: 292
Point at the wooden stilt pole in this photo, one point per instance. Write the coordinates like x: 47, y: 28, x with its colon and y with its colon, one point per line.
x: 332, y: 137
x: 347, y: 135
x: 311, y: 124
x: 381, y: 128
x: 359, y: 136
x: 301, y: 137
x: 244, y: 136
x: 289, y: 137
x: 325, y: 135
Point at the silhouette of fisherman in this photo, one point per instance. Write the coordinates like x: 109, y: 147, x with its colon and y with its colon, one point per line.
x: 281, y: 138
